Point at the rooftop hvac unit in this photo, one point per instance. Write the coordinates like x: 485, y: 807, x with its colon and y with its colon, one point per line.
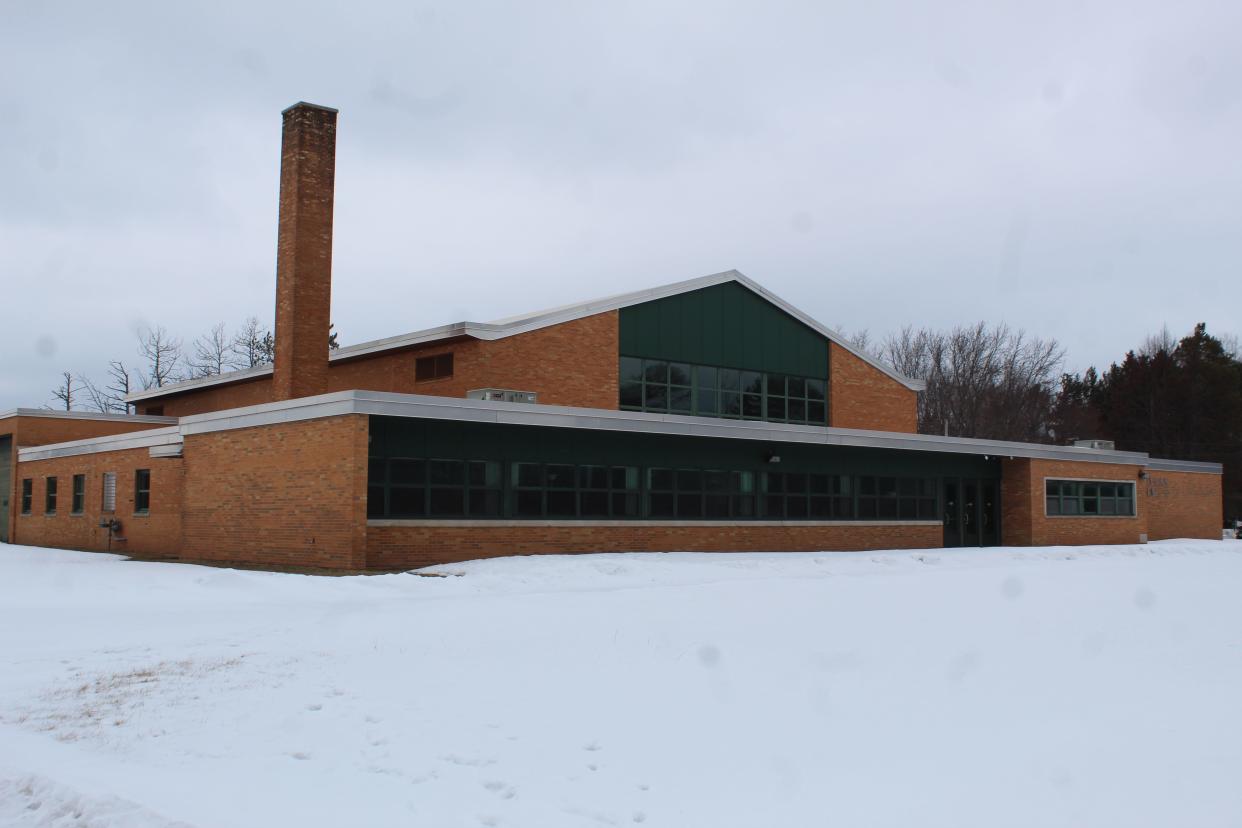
x: 1100, y: 445
x: 502, y: 395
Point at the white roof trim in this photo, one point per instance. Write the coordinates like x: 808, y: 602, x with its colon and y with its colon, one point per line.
x: 514, y: 325
x: 85, y: 415
x: 200, y: 382
x: 466, y: 410
x: 95, y: 445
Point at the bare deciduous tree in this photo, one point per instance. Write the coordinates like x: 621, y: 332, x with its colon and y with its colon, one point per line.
x: 213, y: 353
x: 982, y: 381
x: 162, y: 354
x: 253, y: 345
x: 66, y: 392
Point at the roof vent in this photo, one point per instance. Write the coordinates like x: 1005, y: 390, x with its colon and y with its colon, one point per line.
x: 1098, y: 445
x: 502, y: 395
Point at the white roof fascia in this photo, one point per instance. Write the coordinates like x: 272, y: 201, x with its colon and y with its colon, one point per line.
x: 85, y: 415
x: 149, y: 438
x: 534, y: 414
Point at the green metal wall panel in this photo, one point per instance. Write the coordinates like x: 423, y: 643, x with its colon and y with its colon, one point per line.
x: 402, y: 437
x: 726, y: 325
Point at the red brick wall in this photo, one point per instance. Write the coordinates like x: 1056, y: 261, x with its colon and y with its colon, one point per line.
x: 213, y: 398
x: 1183, y: 505
x: 153, y: 535
x: 287, y: 495
x: 862, y: 396
x: 1022, y: 501
x: 29, y: 430
x: 413, y: 545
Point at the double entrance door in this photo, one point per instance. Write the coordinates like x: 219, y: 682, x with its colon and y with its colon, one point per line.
x: 971, y: 511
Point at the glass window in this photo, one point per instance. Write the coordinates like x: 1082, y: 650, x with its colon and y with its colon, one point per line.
x: 1088, y: 498
x: 435, y: 367
x: 49, y: 497
x: 108, y: 495
x: 27, y: 495
x: 79, y: 494
x: 142, y: 491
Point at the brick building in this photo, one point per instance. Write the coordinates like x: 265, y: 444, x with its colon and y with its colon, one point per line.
x: 703, y: 415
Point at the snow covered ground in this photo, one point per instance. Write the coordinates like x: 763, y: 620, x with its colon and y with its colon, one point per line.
x: 1090, y: 686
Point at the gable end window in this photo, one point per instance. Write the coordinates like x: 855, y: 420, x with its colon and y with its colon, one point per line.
x: 27, y: 495
x: 49, y: 499
x: 435, y: 367
x: 79, y: 494
x: 142, y: 491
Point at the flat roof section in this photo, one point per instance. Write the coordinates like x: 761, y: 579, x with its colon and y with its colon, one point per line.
x: 486, y: 411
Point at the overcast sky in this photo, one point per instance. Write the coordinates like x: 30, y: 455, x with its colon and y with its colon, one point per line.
x: 1074, y: 169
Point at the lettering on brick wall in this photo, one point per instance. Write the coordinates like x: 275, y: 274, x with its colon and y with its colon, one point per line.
x: 1157, y: 487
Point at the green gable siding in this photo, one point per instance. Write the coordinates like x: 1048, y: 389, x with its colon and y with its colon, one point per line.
x: 727, y: 325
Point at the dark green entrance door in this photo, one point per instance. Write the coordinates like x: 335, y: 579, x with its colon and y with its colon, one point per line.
x: 971, y: 512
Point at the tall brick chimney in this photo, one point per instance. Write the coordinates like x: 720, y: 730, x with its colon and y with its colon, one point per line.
x: 304, y: 251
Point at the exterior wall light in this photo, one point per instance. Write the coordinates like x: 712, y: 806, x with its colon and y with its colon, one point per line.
x: 772, y: 458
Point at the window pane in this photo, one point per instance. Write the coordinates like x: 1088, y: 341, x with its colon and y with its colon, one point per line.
x: 447, y: 501
x: 816, y: 413
x: 797, y: 411
x: 752, y: 406
x: 559, y: 476
x: 730, y: 404
x: 485, y: 474
x: 660, y: 479
x: 1108, y: 506
x: 655, y: 397
x: 744, y: 481
x: 655, y: 371
x: 529, y: 503
x: 887, y: 507
x: 679, y: 374
x: 907, y: 508
x: 888, y: 486
x: 376, y: 469
x: 1069, y: 506
x: 1053, y: 505
x: 528, y: 474
x: 485, y: 503
x: 625, y: 477
x: 375, y: 501
x: 705, y: 401
x: 730, y: 379
x: 689, y: 505
x: 705, y: 377
x: 927, y: 508
x: 776, y: 408
x: 689, y: 480
x: 866, y: 507
x: 907, y: 487
x: 1125, y: 506
x: 843, y: 508
x: 743, y: 506
x: 776, y: 384
x: 795, y: 506
x: 625, y: 505
x: 716, y: 506
x: 406, y: 472
x: 631, y: 369
x: 795, y: 482
x: 752, y: 382
x: 1108, y: 490
x: 821, y: 507
x: 815, y: 389
x: 593, y: 477
x: 773, y: 482
x: 661, y: 505
x: 774, y: 507
x: 594, y: 504
x: 797, y: 387
x: 866, y: 485
x: 1052, y: 488
x: 632, y: 394
x: 679, y: 399
x: 447, y: 472
x: 406, y: 502
x: 716, y: 481
x: 819, y: 483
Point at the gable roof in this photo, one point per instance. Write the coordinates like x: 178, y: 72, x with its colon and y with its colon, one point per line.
x: 524, y: 323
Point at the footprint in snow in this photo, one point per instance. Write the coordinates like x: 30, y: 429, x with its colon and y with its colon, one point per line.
x: 313, y: 707
x: 300, y: 755
x: 592, y: 746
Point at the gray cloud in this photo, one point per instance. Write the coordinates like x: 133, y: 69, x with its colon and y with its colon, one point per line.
x: 1067, y: 167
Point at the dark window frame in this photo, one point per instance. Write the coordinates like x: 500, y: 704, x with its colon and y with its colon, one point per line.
x: 27, y: 495
x: 1067, y: 498
x: 704, y: 390
x: 50, y: 488
x: 78, y: 504
x: 433, y: 367
x: 142, y: 491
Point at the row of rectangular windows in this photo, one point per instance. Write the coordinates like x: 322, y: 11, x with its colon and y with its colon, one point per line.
x: 417, y: 487
x: 1088, y: 498
x: 142, y: 493
x: 708, y: 391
